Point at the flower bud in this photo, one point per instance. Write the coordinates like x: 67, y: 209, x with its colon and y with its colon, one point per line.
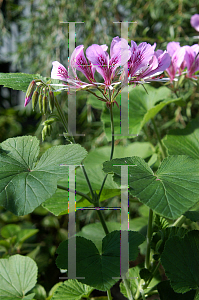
x: 45, y: 104
x: 29, y: 92
x: 49, y: 121
x: 44, y: 133
x: 35, y: 99
x: 51, y: 100
x: 49, y: 129
x: 40, y: 101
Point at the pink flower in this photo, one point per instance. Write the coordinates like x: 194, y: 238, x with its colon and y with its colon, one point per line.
x: 60, y: 72
x: 145, y: 62
x: 192, y: 59
x: 104, y: 65
x: 177, y: 54
x: 195, y: 22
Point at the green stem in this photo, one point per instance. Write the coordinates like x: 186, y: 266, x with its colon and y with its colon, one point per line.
x: 103, y: 222
x: 88, y: 182
x: 149, y: 235
x: 128, y: 289
x: 112, y: 148
x: 73, y: 191
x: 109, y: 295
x: 179, y: 221
x: 61, y: 115
x: 164, y: 154
x: 140, y: 290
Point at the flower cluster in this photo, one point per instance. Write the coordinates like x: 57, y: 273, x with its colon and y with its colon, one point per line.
x: 124, y: 65
x: 181, y: 58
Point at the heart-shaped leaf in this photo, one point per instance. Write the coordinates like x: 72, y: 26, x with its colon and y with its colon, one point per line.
x: 171, y: 192
x: 18, y: 275
x: 99, y: 269
x: 182, y: 254
x: 24, y: 185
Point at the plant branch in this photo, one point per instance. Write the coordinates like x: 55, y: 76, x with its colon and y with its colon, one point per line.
x: 179, y: 221
x: 103, y: 222
x: 73, y: 191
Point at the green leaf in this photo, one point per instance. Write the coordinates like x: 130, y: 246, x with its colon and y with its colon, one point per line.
x: 40, y: 293
x: 167, y: 293
x: 18, y: 275
x: 98, y: 269
x: 171, y: 192
x: 182, y: 254
x: 184, y: 141
x: 134, y: 275
x: 142, y: 107
x: 72, y: 290
x: 95, y: 232
x: 24, y: 185
x: 25, y: 234
x: 192, y: 215
x: 18, y: 81
x: 10, y: 230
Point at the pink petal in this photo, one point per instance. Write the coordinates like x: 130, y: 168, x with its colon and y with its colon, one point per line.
x: 164, y: 62
x: 59, y: 71
x: 79, y: 62
x: 100, y: 60
x: 195, y: 22
x: 140, y: 57
x: 172, y: 47
x: 177, y: 61
x: 192, y: 61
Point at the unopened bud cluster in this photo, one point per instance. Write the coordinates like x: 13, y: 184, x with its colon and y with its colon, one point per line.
x: 42, y: 94
x: 47, y: 127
